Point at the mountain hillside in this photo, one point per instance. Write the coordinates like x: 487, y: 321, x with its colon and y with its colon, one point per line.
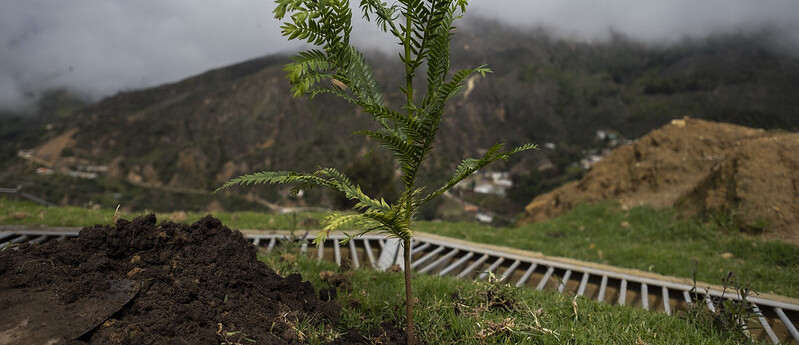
x: 190, y: 136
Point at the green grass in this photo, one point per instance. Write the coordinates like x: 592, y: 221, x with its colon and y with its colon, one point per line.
x: 649, y: 240
x: 453, y: 311
x: 19, y: 213
x: 640, y: 238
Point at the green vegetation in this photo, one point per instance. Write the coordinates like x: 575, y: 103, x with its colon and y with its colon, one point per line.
x: 649, y: 240
x: 453, y: 311
x: 653, y: 240
x: 728, y: 315
x: 423, y: 30
x: 542, y: 90
x: 108, y: 192
x: 29, y: 213
x: 21, y: 213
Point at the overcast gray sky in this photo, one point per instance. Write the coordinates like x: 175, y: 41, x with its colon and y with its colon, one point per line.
x: 100, y: 47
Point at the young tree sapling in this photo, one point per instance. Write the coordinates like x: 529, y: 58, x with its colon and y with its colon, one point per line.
x: 423, y: 29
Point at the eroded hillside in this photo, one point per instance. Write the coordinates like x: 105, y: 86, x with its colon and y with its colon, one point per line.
x: 701, y: 168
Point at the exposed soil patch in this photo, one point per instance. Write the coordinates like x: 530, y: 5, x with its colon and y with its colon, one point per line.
x: 758, y: 181
x: 154, y: 284
x: 51, y: 150
x: 700, y: 167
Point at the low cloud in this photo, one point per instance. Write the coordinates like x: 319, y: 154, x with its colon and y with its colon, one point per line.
x: 98, y: 48
x: 648, y: 21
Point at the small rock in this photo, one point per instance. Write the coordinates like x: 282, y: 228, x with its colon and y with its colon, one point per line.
x: 678, y: 123
x: 339, y: 280
x: 178, y: 216
x: 134, y: 271
x: 325, y: 275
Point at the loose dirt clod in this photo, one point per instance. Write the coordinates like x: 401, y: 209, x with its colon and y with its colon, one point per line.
x: 194, y: 280
x: 340, y: 280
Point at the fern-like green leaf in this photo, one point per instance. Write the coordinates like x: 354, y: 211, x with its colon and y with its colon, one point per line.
x: 327, y: 177
x: 361, y: 78
x: 470, y: 165
x: 264, y: 177
x: 384, y: 15
x: 341, y: 183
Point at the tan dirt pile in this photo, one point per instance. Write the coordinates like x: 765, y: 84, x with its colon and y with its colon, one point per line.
x: 699, y: 167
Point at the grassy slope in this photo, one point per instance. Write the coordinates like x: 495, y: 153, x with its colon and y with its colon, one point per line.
x: 453, y: 311
x: 649, y: 240
x: 640, y: 238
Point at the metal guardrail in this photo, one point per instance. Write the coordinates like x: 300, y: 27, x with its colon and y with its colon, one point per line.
x: 27, y: 195
x: 443, y: 256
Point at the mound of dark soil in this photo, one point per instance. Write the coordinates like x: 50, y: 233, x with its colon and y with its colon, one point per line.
x: 175, y: 284
x: 699, y: 167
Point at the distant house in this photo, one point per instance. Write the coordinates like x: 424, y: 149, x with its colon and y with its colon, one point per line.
x: 484, y: 217
x: 502, y: 179
x: 44, y: 171
x: 81, y: 174
x: 589, y: 161
x: 484, y: 188
x: 489, y: 182
x: 493, y: 182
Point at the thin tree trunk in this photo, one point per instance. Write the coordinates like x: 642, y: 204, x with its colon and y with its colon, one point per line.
x: 408, y: 293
